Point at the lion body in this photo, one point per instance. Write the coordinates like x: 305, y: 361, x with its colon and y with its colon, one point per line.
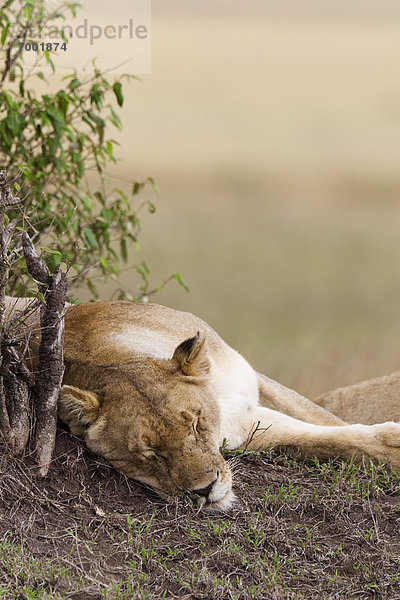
x: 376, y: 400
x: 157, y: 392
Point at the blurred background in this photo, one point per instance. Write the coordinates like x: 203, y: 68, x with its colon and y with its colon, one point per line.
x: 272, y: 129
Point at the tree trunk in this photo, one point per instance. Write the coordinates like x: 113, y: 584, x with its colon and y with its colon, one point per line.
x: 15, y: 379
x: 14, y: 391
x: 51, y: 365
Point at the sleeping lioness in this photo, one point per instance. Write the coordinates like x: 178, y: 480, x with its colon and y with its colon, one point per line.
x: 157, y: 393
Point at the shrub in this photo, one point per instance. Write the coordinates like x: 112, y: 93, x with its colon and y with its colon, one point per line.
x: 49, y: 142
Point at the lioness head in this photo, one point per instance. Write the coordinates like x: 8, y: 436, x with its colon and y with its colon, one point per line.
x: 155, y: 420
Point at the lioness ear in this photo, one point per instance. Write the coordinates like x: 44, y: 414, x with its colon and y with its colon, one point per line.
x: 192, y: 356
x: 78, y: 408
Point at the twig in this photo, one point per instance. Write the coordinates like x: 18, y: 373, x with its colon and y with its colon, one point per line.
x: 252, y: 435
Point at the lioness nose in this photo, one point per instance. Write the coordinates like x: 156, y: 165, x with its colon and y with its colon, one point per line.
x: 206, y: 490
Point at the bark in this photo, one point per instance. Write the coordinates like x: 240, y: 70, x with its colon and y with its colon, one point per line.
x: 51, y: 365
x: 15, y: 379
x: 17, y: 394
x: 14, y: 392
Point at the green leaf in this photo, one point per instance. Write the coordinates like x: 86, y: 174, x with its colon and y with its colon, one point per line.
x: 181, y: 281
x: 152, y: 207
x: 74, y: 84
x: 117, y: 88
x: 87, y: 202
x: 4, y: 34
x: 98, y: 120
x: 122, y: 194
x: 107, y: 267
x: 142, y: 273
x: 28, y: 11
x: 4, y: 136
x: 114, y: 119
x: 90, y: 238
x: 134, y: 241
x: 104, y: 263
x: 97, y: 95
x: 53, y: 145
x: 54, y: 260
x: 137, y: 187
x: 13, y: 123
x: 11, y: 104
x: 123, y: 250
x: 99, y: 196
x: 55, y: 114
x: 109, y: 150
x: 59, y: 164
x: 72, y: 7
x: 52, y: 252
x: 26, y: 171
x: 49, y: 61
x: 154, y: 185
x: 91, y: 125
x: 64, y: 102
x: 107, y: 214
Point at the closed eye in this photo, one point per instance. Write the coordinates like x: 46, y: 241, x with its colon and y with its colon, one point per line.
x: 196, y: 423
x: 151, y: 453
x: 148, y: 453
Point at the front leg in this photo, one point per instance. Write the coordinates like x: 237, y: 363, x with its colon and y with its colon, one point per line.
x: 263, y: 428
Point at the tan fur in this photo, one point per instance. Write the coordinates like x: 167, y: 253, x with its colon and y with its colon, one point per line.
x: 157, y: 392
x: 373, y: 401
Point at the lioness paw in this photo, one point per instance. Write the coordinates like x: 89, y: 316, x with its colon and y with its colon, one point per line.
x: 389, y: 434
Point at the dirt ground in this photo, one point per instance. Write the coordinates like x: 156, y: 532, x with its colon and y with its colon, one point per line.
x: 300, y: 529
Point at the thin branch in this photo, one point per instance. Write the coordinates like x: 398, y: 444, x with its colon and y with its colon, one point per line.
x: 36, y: 266
x: 10, y: 60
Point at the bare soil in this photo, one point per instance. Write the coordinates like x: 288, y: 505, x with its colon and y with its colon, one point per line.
x: 300, y: 529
